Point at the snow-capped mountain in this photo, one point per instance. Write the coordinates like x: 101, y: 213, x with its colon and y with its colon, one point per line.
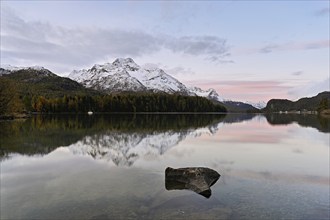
x: 16, y: 68
x: 210, y: 93
x: 258, y: 105
x: 125, y: 75
x: 7, y: 69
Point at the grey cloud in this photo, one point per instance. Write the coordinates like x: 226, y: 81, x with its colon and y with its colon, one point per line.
x: 220, y: 60
x: 291, y: 46
x: 179, y: 71
x: 101, y: 42
x: 68, y: 48
x: 322, y: 12
x: 195, y: 45
x: 21, y: 44
x: 315, y: 45
x: 297, y: 73
x: 268, y: 48
x: 311, y: 88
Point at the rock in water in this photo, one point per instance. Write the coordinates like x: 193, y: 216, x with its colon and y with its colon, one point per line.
x: 197, y: 179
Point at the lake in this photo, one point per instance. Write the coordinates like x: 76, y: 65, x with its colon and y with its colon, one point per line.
x: 113, y: 166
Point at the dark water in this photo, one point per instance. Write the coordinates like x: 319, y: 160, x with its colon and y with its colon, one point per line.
x: 113, y: 166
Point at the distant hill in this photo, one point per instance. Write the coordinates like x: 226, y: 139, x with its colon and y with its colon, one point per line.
x: 20, y: 88
x: 41, y: 81
x: 303, y: 104
x: 235, y: 106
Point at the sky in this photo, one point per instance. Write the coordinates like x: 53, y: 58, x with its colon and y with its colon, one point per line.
x: 245, y: 50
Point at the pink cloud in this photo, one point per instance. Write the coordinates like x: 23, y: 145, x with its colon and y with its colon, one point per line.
x: 248, y: 90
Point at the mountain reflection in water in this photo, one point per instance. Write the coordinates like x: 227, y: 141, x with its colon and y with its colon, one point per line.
x: 123, y: 148
x: 118, y: 138
x: 123, y: 138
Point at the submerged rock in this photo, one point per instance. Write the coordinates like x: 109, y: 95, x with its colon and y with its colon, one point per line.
x: 197, y: 179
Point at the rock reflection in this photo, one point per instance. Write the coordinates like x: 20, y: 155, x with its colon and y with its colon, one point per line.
x: 197, y: 179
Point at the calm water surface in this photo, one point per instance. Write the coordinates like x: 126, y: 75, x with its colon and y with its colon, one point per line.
x: 112, y: 166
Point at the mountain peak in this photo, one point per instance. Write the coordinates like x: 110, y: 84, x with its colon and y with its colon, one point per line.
x: 125, y: 62
x: 210, y: 93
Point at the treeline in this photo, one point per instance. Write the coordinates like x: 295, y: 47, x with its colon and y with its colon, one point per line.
x: 121, y: 103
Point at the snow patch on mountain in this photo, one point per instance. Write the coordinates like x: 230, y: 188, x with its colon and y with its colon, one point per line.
x: 7, y: 69
x: 16, y: 68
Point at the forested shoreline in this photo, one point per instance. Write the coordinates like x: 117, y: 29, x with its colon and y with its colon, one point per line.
x: 111, y: 103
